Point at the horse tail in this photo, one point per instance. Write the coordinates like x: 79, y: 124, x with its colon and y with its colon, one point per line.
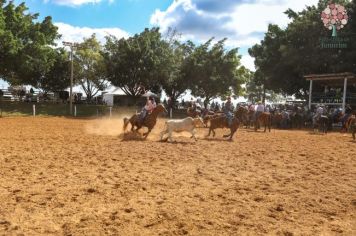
x: 126, y: 122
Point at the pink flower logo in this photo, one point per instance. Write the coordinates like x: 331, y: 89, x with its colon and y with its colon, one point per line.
x: 334, y: 15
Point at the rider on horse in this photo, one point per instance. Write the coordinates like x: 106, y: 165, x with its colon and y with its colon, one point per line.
x: 148, y: 108
x: 228, y: 111
x: 318, y: 113
x: 259, y: 110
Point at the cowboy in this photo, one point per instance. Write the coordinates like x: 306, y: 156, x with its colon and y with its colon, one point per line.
x: 318, y: 113
x: 259, y: 110
x: 148, y: 108
x: 228, y: 110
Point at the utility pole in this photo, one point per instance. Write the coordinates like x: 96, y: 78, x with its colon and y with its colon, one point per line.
x: 72, y: 46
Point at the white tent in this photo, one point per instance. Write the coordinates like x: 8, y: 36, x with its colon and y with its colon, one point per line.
x: 108, y: 97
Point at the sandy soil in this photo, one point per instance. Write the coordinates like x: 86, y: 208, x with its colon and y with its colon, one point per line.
x: 63, y: 176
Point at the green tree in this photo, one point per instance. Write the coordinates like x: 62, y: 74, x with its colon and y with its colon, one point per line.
x: 58, y: 76
x: 25, y: 44
x: 215, y: 71
x: 284, y: 56
x: 90, y: 69
x: 137, y: 63
x: 177, y: 79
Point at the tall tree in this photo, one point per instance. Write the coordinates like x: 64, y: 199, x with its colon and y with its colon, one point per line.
x: 90, y: 69
x: 177, y: 79
x: 215, y: 71
x: 284, y: 56
x: 137, y: 63
x: 58, y: 76
x: 25, y: 44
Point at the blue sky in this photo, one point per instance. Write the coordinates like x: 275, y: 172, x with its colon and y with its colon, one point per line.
x: 243, y: 22
x: 129, y: 15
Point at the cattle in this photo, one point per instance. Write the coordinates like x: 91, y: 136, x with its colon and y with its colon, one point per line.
x: 188, y: 124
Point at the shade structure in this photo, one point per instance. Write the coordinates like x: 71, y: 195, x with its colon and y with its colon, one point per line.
x: 343, y: 80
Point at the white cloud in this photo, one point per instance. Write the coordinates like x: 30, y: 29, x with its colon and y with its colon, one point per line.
x: 76, y: 34
x: 248, y: 62
x: 75, y: 2
x: 242, y: 22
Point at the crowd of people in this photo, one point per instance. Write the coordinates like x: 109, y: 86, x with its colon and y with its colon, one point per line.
x: 285, y: 112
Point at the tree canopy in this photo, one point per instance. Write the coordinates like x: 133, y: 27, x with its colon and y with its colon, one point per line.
x: 90, y: 69
x: 136, y: 63
x: 215, y: 71
x: 284, y: 56
x: 26, y: 52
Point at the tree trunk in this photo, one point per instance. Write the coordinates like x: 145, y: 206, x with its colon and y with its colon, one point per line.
x: 264, y: 95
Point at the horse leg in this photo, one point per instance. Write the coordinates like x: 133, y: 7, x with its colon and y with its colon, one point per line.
x: 193, y: 134
x: 163, y: 133
x: 132, y: 126
x: 170, y: 136
x: 256, y: 123
x: 147, y: 133
x: 232, y: 133
x: 209, y: 132
x: 265, y: 126
x: 269, y: 125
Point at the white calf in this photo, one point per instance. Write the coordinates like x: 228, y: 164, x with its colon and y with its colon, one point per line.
x: 188, y: 124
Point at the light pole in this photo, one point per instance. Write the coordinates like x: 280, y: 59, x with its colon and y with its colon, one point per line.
x: 72, y: 46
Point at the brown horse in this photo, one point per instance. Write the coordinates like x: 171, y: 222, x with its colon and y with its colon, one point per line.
x: 209, y: 117
x: 222, y: 122
x: 264, y: 118
x: 149, y: 121
x: 351, y: 125
x: 242, y: 113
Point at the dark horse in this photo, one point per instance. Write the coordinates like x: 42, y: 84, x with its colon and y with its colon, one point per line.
x: 149, y: 121
x: 322, y: 124
x: 222, y: 122
x: 244, y: 115
x: 266, y: 119
x: 351, y: 125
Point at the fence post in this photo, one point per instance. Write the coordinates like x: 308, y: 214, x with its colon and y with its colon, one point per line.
x: 110, y: 111
x: 34, y: 110
x: 75, y: 110
x: 97, y: 112
x: 170, y: 113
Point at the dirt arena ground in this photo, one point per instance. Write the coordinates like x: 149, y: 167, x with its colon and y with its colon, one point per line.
x: 63, y: 176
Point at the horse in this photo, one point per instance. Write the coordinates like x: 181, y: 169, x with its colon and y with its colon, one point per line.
x: 210, y: 115
x: 277, y: 118
x: 264, y: 118
x: 322, y: 124
x: 297, y: 118
x: 149, y: 121
x: 244, y: 115
x: 351, y: 125
x: 222, y: 122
